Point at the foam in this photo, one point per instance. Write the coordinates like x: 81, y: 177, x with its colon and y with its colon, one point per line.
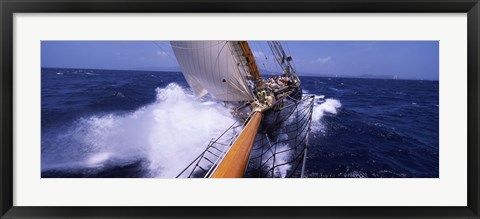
x: 321, y: 108
x: 167, y: 134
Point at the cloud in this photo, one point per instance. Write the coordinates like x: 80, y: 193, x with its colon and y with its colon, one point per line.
x: 258, y: 54
x: 162, y: 53
x: 323, y: 60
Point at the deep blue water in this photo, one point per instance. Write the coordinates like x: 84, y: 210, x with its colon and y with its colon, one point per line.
x: 383, y: 128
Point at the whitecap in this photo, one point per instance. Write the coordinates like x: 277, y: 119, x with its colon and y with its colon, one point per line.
x: 168, y: 134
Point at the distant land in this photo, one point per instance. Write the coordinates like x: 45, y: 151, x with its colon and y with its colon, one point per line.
x: 157, y: 68
x: 263, y: 72
x: 364, y: 76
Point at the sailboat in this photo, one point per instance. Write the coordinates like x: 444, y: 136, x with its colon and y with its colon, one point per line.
x: 270, y: 136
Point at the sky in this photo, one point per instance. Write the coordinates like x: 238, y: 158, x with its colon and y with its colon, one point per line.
x: 405, y: 59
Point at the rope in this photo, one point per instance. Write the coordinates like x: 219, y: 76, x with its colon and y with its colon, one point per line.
x: 297, y: 129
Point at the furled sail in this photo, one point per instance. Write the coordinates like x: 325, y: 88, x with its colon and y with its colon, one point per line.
x: 213, y: 67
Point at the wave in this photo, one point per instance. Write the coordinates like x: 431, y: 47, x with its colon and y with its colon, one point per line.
x: 321, y: 108
x: 283, y: 150
x: 167, y: 134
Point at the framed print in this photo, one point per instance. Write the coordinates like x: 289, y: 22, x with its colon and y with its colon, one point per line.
x: 239, y: 109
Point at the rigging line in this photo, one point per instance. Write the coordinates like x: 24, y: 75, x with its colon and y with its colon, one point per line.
x: 275, y: 63
x: 254, y: 49
x: 290, y: 53
x: 278, y: 54
x: 193, y: 48
x: 254, y: 44
x: 266, y: 60
x: 174, y: 60
x: 270, y: 63
x: 281, y: 53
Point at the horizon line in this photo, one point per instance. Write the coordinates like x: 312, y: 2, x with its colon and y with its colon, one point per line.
x: 300, y: 74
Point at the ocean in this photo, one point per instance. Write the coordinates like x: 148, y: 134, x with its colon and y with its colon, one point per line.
x: 129, y: 124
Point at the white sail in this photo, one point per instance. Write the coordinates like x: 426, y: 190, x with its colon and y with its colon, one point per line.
x: 213, y: 67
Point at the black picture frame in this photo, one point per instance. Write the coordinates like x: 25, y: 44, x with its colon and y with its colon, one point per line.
x: 9, y: 7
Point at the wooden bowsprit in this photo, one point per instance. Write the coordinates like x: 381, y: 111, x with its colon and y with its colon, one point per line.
x: 235, y: 161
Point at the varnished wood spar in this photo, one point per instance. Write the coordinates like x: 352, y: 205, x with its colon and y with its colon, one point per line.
x: 235, y: 162
x: 252, y: 65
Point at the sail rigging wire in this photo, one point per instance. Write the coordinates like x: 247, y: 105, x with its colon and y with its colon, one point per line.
x: 271, y: 62
x: 258, y: 51
x: 276, y: 54
x: 168, y: 54
x: 290, y: 53
x: 264, y: 59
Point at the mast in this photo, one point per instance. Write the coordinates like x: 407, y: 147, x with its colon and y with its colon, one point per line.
x: 282, y: 59
x: 222, y: 68
x: 235, y: 161
x: 252, y: 65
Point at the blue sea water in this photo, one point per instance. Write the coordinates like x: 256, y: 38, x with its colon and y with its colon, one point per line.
x: 111, y: 123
